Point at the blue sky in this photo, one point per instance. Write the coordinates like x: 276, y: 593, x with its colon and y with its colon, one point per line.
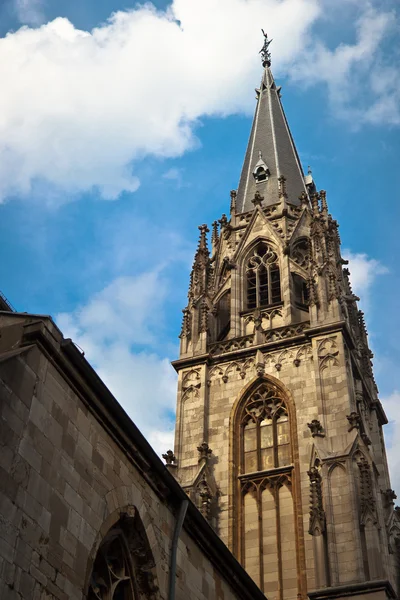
x: 119, y: 137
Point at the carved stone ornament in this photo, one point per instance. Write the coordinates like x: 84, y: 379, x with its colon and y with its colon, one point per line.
x: 366, y: 439
x: 317, y: 514
x: 223, y: 221
x: 282, y: 187
x: 257, y: 200
x: 205, y: 498
x: 316, y: 428
x: 389, y: 496
x: 186, y: 325
x: 354, y: 420
x: 169, y: 457
x: 328, y: 352
x: 203, y: 317
x: 367, y: 499
x: 204, y: 451
x: 260, y: 363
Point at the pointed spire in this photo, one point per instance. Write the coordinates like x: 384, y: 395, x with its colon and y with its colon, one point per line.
x: 214, y: 235
x: 203, y: 237
x: 200, y: 270
x: 271, y: 151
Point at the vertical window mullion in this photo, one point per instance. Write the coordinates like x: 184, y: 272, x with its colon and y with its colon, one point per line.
x: 275, y: 438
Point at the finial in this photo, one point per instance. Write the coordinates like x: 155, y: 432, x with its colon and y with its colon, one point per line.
x: 223, y: 221
x: 309, y: 170
x: 233, y: 201
x: 265, y: 53
x: 324, y: 204
x: 203, y: 236
x: 260, y: 155
x: 257, y: 200
x: 282, y: 187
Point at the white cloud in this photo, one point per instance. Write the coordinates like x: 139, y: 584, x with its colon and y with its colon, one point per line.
x: 109, y: 329
x: 78, y: 108
x: 357, y: 66
x: 363, y: 273
x: 29, y: 12
x: 391, y: 405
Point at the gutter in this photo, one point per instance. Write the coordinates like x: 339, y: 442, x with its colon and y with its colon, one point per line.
x: 174, y: 548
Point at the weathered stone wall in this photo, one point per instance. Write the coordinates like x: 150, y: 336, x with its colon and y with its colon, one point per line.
x: 319, y: 386
x: 64, y: 481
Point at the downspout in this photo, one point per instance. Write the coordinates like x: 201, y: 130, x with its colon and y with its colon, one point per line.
x: 174, y: 548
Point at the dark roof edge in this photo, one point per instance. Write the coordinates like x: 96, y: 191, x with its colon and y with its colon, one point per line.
x: 107, y: 409
x: 5, y: 304
x: 353, y: 589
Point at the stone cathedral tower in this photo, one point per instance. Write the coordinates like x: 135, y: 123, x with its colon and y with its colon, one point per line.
x: 279, y: 427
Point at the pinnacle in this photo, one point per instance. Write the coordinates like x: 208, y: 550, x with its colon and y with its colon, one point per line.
x: 203, y: 236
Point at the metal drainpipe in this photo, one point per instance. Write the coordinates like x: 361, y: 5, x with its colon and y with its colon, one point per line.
x: 174, y: 548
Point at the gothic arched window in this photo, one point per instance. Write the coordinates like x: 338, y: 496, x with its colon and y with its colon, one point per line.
x: 301, y: 294
x: 263, y: 277
x: 265, y: 514
x: 112, y: 570
x: 260, y: 174
x: 124, y: 566
x: 266, y: 443
x: 223, y: 317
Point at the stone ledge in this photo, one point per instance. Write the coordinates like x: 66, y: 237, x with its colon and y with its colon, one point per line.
x: 354, y: 589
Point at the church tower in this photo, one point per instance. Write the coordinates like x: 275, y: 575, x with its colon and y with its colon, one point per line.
x: 279, y: 427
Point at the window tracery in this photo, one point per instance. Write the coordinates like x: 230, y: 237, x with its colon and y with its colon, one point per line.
x: 266, y: 443
x: 265, y: 509
x: 124, y: 567
x: 301, y: 253
x: 263, y: 277
x: 111, y: 575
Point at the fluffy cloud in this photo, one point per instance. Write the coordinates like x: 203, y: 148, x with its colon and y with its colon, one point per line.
x: 363, y: 273
x: 357, y: 66
x: 117, y: 330
x: 78, y: 108
x: 391, y: 405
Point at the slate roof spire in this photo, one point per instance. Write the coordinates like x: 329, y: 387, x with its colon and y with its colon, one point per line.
x: 271, y: 153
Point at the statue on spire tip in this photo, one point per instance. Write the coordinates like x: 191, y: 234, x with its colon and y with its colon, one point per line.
x: 265, y: 53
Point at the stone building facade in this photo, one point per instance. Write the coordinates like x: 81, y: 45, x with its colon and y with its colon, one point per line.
x: 279, y: 451
x: 276, y: 389
x: 87, y: 509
